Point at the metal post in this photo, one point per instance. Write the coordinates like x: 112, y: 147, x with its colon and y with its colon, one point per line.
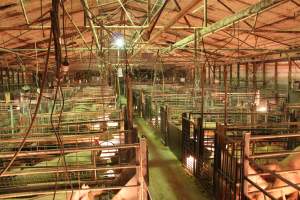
x: 254, y: 76
x: 230, y: 74
x: 264, y: 75
x: 238, y: 75
x: 276, y: 81
x: 289, y: 81
x: 225, y: 98
x: 1, y: 79
x: 129, y: 102
x: 143, y: 173
x: 205, y: 13
x: 8, y: 78
x: 11, y: 117
x: 220, y: 75
x: 247, y: 75
x: 246, y: 161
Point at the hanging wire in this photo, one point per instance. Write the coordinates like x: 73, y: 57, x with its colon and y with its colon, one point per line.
x: 35, y: 111
x: 59, y: 77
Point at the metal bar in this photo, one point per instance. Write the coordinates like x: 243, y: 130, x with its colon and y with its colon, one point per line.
x: 50, y: 192
x: 276, y: 77
x: 272, y: 155
x: 259, y: 188
x: 24, y: 11
x: 259, y: 137
x: 246, y: 138
x: 261, y: 6
x: 184, y: 17
x: 67, y: 150
x: 48, y: 170
x: 278, y: 176
x: 247, y: 74
x: 148, y: 32
x: 226, y: 96
x: 254, y: 65
x: 264, y: 75
x: 127, y: 14
x: 76, y: 27
x: 89, y: 15
x: 205, y: 13
x: 182, y: 13
x: 289, y: 81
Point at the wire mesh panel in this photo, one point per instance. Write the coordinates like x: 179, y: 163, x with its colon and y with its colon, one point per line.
x: 227, y: 167
x: 164, y: 124
x: 188, y: 145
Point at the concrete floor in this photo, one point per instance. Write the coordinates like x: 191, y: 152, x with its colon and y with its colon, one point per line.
x: 168, y: 179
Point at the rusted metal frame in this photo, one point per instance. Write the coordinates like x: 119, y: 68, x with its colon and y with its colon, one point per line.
x: 237, y: 38
x: 126, y: 12
x: 252, y: 27
x: 238, y: 74
x: 182, y: 13
x: 221, y: 24
x: 254, y: 65
x: 264, y: 75
x: 77, y: 28
x: 129, y: 101
x: 196, y: 68
x: 18, y: 78
x: 67, y: 150
x: 247, y: 75
x: 50, y: 192
x: 226, y: 95
x: 276, y: 77
x: 79, y: 168
x: 220, y: 74
x: 149, y: 11
x: 274, y: 155
x: 184, y: 17
x: 142, y: 171
x: 289, y: 81
x: 214, y: 73
x: 89, y: 15
x: 205, y: 7
x: 147, y: 23
x: 268, y: 38
x: 230, y: 74
x: 259, y: 188
x: 122, y: 17
x: 295, y: 186
x: 7, y: 78
x: 1, y: 79
x: 38, y: 138
x: 150, y: 29
x: 264, y: 137
x: 209, y: 74
x: 24, y: 11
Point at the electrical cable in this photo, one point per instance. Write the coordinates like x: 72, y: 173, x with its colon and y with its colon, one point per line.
x: 56, y: 37
x: 35, y: 112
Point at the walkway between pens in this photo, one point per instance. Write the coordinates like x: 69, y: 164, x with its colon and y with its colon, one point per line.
x: 168, y: 179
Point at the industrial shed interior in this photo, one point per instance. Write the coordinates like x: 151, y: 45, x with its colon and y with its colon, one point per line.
x: 150, y: 99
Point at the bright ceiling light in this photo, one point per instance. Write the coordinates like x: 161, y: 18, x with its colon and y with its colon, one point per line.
x: 119, y: 42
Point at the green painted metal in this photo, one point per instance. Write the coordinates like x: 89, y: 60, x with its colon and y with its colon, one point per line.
x: 227, y: 21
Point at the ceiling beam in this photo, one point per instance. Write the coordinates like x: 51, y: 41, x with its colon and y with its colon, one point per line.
x: 89, y: 15
x: 182, y: 13
x: 225, y: 22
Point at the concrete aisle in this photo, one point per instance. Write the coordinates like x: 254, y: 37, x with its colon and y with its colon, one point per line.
x: 168, y: 180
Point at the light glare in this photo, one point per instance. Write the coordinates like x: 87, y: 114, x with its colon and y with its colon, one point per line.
x: 119, y: 42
